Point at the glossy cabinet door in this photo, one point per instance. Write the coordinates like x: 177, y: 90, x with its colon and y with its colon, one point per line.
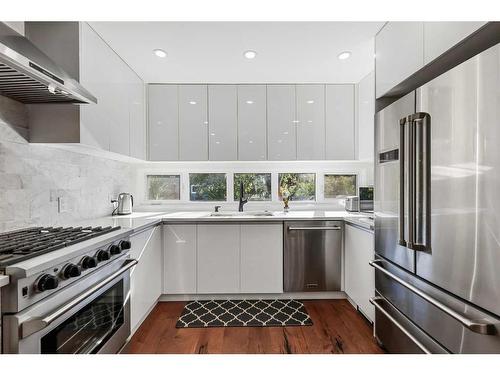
x: 218, y: 258
x: 95, y: 120
x: 222, y: 122
x: 146, y: 277
x: 252, y: 122
x: 366, y: 116
x: 311, y: 122
x: 262, y: 258
x: 281, y: 122
x: 441, y: 36
x: 137, y: 117
x: 163, y: 122
x: 340, y: 122
x: 193, y: 122
x: 180, y: 258
x: 359, y: 275
x: 399, y: 53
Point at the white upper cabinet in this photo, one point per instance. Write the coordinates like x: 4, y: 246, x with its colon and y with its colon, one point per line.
x: 163, y: 122
x: 193, y: 122
x: 366, y: 113
x: 222, y: 122
x: 399, y: 53
x: 340, y: 123
x: 117, y: 122
x: 441, y: 36
x: 252, y: 122
x: 281, y: 122
x: 310, y: 122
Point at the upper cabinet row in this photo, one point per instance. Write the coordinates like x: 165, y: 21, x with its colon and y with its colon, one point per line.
x: 403, y: 48
x: 117, y: 122
x: 251, y: 122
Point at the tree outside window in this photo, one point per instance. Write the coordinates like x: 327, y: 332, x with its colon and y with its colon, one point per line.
x: 297, y: 186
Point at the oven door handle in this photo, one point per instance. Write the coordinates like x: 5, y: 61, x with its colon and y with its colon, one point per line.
x: 37, y: 324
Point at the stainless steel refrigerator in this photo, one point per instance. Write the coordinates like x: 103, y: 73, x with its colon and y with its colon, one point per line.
x: 437, y: 214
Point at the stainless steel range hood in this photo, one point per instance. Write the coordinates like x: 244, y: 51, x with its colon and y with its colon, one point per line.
x: 29, y: 76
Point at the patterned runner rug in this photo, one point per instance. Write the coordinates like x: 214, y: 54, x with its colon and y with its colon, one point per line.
x: 244, y: 313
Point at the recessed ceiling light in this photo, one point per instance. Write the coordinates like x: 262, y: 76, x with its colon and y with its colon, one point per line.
x: 192, y: 102
x: 310, y: 102
x: 344, y: 55
x: 159, y: 52
x: 249, y: 101
x: 250, y: 54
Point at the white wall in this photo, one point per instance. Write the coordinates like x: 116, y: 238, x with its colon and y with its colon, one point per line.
x: 33, y: 176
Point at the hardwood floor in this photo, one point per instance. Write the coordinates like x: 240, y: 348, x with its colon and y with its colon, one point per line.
x: 337, y: 328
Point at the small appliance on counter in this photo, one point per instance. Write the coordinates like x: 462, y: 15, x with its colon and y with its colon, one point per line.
x: 366, y: 198
x: 352, y: 204
x: 125, y: 204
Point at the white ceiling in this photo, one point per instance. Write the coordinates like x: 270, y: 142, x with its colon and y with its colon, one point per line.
x: 212, y: 52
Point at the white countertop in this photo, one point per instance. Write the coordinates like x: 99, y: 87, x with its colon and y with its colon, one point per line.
x: 139, y: 220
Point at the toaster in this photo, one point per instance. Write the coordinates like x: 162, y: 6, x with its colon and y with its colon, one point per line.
x: 352, y: 204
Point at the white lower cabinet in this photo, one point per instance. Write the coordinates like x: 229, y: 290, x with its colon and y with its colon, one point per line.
x: 146, y: 277
x: 261, y: 258
x: 180, y: 258
x: 359, y: 275
x: 218, y: 258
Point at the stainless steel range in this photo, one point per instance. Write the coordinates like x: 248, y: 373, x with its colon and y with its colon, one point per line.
x: 68, y: 291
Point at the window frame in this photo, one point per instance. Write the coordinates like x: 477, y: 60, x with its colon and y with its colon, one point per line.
x: 330, y: 199
x: 188, y: 197
x: 160, y: 201
x: 253, y: 201
x: 316, y: 179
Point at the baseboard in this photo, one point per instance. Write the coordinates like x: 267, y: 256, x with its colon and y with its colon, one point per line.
x: 301, y: 296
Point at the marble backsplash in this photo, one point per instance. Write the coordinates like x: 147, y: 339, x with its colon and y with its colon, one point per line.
x: 34, y: 176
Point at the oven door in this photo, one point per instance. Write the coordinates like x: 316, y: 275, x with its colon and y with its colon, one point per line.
x: 92, y: 316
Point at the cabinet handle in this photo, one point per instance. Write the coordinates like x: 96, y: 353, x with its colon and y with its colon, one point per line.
x: 336, y: 227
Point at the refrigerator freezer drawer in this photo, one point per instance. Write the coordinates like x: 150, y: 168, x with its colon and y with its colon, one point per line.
x: 397, y: 334
x: 444, y: 329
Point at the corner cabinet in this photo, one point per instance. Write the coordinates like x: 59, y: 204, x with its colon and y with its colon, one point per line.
x: 117, y: 122
x: 146, y: 277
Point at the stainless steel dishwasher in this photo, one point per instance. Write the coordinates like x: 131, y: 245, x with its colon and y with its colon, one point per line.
x: 312, y: 256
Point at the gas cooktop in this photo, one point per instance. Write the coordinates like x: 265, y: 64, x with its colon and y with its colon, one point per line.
x: 28, y: 243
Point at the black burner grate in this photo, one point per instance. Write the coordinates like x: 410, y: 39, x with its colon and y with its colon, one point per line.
x: 28, y: 243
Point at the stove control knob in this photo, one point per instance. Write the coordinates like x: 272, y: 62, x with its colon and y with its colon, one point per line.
x: 115, y: 249
x: 102, y: 255
x: 71, y: 270
x: 125, y: 245
x: 88, y: 262
x: 46, y: 282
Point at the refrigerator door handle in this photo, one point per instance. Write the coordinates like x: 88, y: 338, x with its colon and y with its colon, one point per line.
x: 378, y: 306
x: 420, y: 188
x: 482, y: 327
x: 402, y: 195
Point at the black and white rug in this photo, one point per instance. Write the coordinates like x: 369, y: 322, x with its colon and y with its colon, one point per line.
x: 244, y: 313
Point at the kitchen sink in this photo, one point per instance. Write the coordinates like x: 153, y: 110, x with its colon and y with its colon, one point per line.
x: 240, y: 214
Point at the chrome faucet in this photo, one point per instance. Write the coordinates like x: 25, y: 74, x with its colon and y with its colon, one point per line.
x: 242, y: 201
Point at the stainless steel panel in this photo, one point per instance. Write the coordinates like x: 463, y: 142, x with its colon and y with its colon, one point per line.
x: 452, y: 102
x: 388, y: 190
x: 312, y: 256
x: 444, y: 329
x: 397, y: 334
